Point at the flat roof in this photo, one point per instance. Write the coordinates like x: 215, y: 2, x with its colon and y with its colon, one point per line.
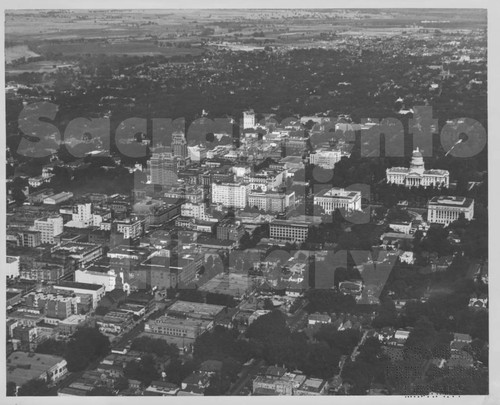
x: 451, y: 201
x: 229, y: 284
x: 338, y: 193
x: 290, y: 223
x: 22, y: 366
x: 171, y: 320
x: 195, y: 308
x: 312, y: 384
x: 80, y: 286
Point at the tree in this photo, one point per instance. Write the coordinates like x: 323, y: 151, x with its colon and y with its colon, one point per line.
x: 85, y: 346
x: 11, y: 389
x: 387, y: 315
x: 328, y: 300
x: 268, y: 304
x: 322, y: 361
x: 120, y: 384
x: 18, y: 196
x: 143, y: 370
x: 221, y: 299
x: 421, y: 340
x: 341, y: 341
x: 52, y: 346
x: 271, y: 326
x: 101, y: 391
x: 101, y: 310
x: 154, y: 346
x: 191, y: 294
x: 34, y: 388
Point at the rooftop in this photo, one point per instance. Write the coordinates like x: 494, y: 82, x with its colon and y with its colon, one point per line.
x: 195, y: 308
x: 312, y: 385
x: 338, y: 193
x: 80, y: 286
x: 22, y: 366
x: 451, y: 201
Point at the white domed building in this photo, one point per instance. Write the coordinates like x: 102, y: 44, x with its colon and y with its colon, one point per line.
x: 416, y: 175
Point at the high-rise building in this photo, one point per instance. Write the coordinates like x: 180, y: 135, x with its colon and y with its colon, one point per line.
x: 248, y: 119
x: 81, y: 216
x: 179, y: 145
x: 12, y: 266
x: 230, y: 194
x: 49, y: 228
x: 163, y: 168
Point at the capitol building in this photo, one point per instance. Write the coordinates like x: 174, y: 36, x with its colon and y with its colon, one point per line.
x: 416, y: 175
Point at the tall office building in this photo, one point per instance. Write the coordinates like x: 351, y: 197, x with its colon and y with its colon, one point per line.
x: 163, y: 168
x: 81, y: 216
x: 230, y: 194
x: 49, y: 228
x: 179, y: 145
x: 248, y: 119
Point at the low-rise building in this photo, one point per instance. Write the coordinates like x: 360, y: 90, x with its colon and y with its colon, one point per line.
x: 195, y: 310
x: 312, y: 386
x: 338, y: 198
x: 325, y: 158
x: 229, y: 229
x: 115, y: 322
x: 186, y: 329
x: 446, y: 209
x: 94, y: 290
x: 318, y: 318
x: 289, y: 231
x: 271, y: 201
x: 58, y: 198
x: 285, y: 384
x: 83, y: 253
x: 161, y: 388
x: 22, y: 367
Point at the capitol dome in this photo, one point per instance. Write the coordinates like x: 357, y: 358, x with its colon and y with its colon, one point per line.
x: 417, y: 162
x: 417, y: 153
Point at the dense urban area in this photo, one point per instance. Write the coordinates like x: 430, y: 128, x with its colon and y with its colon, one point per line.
x: 236, y: 202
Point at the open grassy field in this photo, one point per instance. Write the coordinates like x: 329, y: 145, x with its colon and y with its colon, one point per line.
x: 127, y: 48
x: 13, y: 53
x: 133, y: 32
x: 46, y: 66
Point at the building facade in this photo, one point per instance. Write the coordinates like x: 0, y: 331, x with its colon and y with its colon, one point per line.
x: 340, y: 198
x: 325, y: 158
x: 248, y: 119
x: 179, y: 145
x: 271, y: 201
x: 163, y: 168
x: 230, y: 194
x: 444, y: 210
x: 49, y: 228
x: 289, y: 231
x: 178, y: 327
